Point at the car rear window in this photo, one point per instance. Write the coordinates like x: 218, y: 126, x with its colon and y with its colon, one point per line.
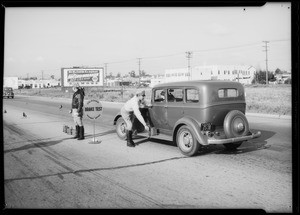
x: 192, y: 95
x: 227, y: 93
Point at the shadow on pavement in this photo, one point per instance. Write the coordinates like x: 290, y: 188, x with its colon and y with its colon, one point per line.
x: 250, y: 145
x: 102, y: 134
x: 155, y: 140
x: 247, y: 146
x: 39, y: 143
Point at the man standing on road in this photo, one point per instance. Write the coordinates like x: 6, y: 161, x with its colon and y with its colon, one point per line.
x: 77, y: 110
x: 132, y: 107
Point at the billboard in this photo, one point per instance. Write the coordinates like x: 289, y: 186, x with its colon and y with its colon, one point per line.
x: 84, y: 76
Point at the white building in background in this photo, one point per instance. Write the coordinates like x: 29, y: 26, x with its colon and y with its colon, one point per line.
x: 180, y: 74
x: 39, y: 83
x: 241, y: 73
x: 157, y: 79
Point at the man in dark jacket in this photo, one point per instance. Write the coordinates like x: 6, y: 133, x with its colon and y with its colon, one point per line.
x: 77, y: 110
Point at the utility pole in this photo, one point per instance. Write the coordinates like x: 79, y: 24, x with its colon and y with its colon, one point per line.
x: 189, y: 56
x: 266, y: 50
x: 139, y: 70
x: 105, y: 74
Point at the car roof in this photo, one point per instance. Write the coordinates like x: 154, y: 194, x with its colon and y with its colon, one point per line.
x: 199, y: 83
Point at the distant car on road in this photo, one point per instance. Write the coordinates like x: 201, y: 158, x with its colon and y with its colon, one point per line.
x: 8, y: 92
x: 196, y: 113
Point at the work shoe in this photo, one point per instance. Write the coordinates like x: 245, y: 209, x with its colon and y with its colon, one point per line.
x: 76, y: 132
x: 130, y: 143
x: 81, y: 133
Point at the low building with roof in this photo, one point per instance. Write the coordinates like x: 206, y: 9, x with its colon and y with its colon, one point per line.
x: 241, y: 73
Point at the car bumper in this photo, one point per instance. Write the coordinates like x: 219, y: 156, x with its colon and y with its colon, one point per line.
x: 235, y: 139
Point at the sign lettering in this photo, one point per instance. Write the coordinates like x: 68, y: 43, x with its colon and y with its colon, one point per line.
x: 84, y: 76
x: 89, y: 109
x: 93, y: 109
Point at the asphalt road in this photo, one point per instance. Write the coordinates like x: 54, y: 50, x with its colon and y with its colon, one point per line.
x: 46, y: 168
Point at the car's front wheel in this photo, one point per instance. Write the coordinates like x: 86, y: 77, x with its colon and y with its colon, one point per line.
x: 121, y: 128
x: 186, y: 141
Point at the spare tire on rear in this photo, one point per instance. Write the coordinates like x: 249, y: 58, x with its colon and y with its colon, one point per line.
x: 235, y: 125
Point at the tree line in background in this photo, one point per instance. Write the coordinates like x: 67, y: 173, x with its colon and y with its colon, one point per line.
x: 34, y: 78
x: 260, y: 77
x: 130, y: 74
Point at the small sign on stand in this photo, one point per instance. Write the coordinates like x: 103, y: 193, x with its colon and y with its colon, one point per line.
x: 93, y: 110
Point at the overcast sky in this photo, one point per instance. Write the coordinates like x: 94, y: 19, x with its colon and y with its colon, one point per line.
x: 43, y: 40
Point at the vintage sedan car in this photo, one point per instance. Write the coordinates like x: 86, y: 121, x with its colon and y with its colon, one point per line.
x: 196, y: 113
x: 8, y: 92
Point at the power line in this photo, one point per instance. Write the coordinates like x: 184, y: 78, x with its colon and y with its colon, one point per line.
x: 163, y: 56
x: 114, y: 62
x: 182, y: 53
x: 226, y: 48
x: 280, y: 40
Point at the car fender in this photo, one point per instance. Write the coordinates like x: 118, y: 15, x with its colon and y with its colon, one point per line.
x: 202, y: 139
x: 116, y: 118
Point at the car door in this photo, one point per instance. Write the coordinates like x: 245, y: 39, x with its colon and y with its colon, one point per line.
x: 158, y: 111
x: 174, y: 106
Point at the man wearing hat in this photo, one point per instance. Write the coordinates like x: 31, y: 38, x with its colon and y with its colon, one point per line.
x: 77, y: 110
x: 132, y: 107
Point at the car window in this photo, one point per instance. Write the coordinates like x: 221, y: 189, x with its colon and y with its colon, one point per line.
x: 175, y: 95
x: 192, y: 95
x: 159, y: 95
x: 227, y: 93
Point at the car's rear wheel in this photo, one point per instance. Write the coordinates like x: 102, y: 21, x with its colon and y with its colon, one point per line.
x: 121, y: 128
x: 235, y: 125
x: 186, y: 141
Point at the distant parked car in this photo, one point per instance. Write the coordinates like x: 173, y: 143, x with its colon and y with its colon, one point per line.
x: 8, y: 92
x: 195, y: 113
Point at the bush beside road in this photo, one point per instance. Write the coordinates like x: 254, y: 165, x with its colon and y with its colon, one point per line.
x: 262, y: 99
